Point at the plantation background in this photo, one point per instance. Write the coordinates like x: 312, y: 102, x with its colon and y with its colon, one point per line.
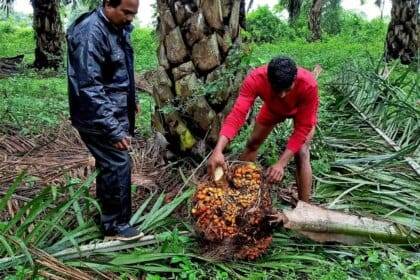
x: 355, y: 170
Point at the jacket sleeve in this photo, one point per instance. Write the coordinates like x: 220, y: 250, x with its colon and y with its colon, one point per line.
x: 236, y: 118
x: 91, y: 60
x: 304, y: 120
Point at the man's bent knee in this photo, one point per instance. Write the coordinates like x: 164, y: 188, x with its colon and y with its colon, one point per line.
x: 303, y: 154
x: 253, y: 145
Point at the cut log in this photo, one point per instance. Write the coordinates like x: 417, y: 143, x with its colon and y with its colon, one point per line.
x: 212, y: 10
x: 323, y: 225
x: 175, y: 47
x: 205, y: 54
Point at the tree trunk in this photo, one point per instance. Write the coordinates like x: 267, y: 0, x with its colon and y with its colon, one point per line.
x: 251, y: 2
x: 293, y: 7
x: 49, y: 34
x: 315, y: 20
x: 198, y: 76
x: 324, y: 225
x: 402, y: 40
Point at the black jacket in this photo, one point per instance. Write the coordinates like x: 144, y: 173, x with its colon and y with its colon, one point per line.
x: 101, y: 77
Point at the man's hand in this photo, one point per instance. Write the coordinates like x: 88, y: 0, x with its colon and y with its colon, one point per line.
x: 123, y: 145
x: 275, y: 173
x: 138, y: 109
x: 217, y: 159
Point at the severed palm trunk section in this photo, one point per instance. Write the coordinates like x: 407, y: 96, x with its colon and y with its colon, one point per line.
x: 402, y: 40
x: 49, y: 34
x: 198, y: 40
x: 324, y: 225
x: 315, y: 20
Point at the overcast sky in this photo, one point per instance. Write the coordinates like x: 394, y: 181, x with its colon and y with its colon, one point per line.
x: 369, y: 9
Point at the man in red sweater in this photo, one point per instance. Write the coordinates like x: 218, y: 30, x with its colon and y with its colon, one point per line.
x: 287, y: 91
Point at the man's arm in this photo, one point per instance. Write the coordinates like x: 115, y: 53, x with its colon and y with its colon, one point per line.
x: 304, y: 121
x: 90, y: 59
x: 234, y: 121
x: 237, y: 116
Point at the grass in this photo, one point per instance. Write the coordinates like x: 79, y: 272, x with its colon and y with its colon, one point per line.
x: 17, y: 33
x: 32, y: 102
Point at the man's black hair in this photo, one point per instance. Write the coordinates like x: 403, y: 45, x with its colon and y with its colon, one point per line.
x: 282, y: 72
x: 112, y: 3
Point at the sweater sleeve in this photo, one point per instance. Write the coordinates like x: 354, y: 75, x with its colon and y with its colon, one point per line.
x: 236, y: 118
x: 304, y: 120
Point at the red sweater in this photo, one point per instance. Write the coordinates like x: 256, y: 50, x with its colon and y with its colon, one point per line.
x: 301, y: 104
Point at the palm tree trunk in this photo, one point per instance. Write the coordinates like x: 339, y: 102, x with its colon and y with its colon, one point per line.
x: 324, y: 225
x: 315, y: 20
x: 251, y: 2
x: 402, y: 40
x: 197, y: 40
x: 293, y: 7
x: 49, y: 34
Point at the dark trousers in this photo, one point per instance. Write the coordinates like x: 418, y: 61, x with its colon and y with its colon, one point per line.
x: 113, y: 184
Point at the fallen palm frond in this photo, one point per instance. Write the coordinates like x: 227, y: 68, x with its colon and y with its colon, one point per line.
x: 388, y: 104
x: 52, y: 159
x: 374, y: 134
x: 52, y: 264
x: 54, y: 230
x: 389, y: 141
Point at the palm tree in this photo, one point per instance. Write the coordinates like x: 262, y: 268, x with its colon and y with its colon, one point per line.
x: 197, y: 43
x: 314, y: 21
x: 7, y: 6
x: 49, y: 34
x: 402, y: 40
x: 380, y: 4
x: 293, y: 7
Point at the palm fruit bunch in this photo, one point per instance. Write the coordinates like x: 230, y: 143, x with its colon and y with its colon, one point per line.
x: 232, y: 212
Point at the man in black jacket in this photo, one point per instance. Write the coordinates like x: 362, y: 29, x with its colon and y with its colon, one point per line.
x: 103, y: 104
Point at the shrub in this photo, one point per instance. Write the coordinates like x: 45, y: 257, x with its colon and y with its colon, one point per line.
x: 264, y: 26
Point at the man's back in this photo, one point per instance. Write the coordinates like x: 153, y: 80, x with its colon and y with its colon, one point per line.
x: 101, y: 78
